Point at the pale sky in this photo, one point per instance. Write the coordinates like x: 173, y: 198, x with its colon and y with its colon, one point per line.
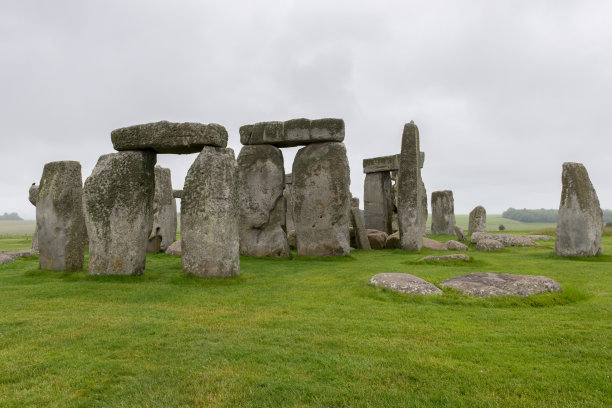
x: 503, y: 92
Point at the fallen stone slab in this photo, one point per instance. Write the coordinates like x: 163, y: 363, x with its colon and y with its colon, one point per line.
x: 453, y: 257
x: 295, y: 132
x: 19, y: 254
x: 489, y: 245
x: 505, y: 239
x: 404, y: 283
x: 434, y: 245
x: 460, y: 233
x: 169, y: 137
x: 174, y: 248
x: 456, y: 245
x: 484, y: 284
x: 393, y: 241
x: 4, y: 259
x: 377, y: 239
x: 539, y: 237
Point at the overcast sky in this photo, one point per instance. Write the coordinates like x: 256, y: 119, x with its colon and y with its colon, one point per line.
x: 503, y: 92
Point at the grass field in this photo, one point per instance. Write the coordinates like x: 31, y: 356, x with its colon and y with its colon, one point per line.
x: 305, y: 332
x: 17, y: 227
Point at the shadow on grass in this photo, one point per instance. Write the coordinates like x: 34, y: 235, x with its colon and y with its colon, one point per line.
x: 450, y: 262
x: 598, y: 258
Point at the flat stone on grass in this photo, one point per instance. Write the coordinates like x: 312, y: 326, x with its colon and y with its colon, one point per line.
x: 485, y: 284
x: 404, y: 283
x: 453, y: 257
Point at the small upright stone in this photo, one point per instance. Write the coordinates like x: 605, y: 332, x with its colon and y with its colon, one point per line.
x: 378, y: 201
x: 361, y: 236
x: 209, y: 215
x: 580, y: 221
x: 163, y: 233
x: 478, y: 220
x: 460, y: 233
x: 118, y: 206
x: 442, y: 212
x: 59, y: 217
x: 410, y: 200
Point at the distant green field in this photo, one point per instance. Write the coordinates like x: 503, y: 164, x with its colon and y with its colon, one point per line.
x: 17, y: 227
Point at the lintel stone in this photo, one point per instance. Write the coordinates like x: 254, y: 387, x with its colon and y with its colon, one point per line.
x: 295, y: 132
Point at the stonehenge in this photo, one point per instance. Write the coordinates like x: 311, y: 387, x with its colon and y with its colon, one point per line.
x: 478, y: 220
x: 442, y: 212
x: 163, y: 231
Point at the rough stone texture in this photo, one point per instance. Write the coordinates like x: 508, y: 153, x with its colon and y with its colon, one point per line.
x: 460, y: 234
x: 505, y: 239
x: 291, y: 239
x: 174, y: 248
x: 361, y: 237
x: 539, y: 237
x: 59, y: 217
x: 423, y: 207
x: 410, y: 200
x: 580, y: 222
x: 378, y: 202
x: 168, y: 137
x: 453, y: 257
x: 4, y: 259
x: 478, y: 220
x: 377, y: 239
x: 295, y: 132
x: 261, y: 201
x: 33, y: 197
x: 433, y: 244
x: 118, y: 204
x: 354, y: 202
x: 456, y: 246
x: 484, y: 284
x: 379, y: 164
x: 442, y: 212
x: 487, y: 244
x: 288, y: 194
x: 404, y: 283
x: 163, y: 232
x: 210, y: 214
x: 322, y: 199
x: 19, y: 253
x: 393, y: 241
x: 177, y: 193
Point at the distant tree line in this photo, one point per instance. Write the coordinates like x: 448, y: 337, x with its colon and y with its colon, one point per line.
x: 541, y: 215
x: 10, y: 217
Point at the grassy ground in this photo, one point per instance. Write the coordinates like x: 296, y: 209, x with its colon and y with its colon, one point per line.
x: 306, y: 332
x: 17, y: 227
x: 494, y: 220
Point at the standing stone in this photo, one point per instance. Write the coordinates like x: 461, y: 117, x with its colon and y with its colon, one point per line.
x: 262, y: 204
x: 59, y: 217
x: 442, y: 212
x: 361, y: 236
x: 378, y: 201
x: 355, y: 202
x: 424, y: 214
x: 322, y: 199
x: 33, y: 197
x: 410, y: 200
x: 118, y: 205
x: 580, y: 221
x: 460, y: 233
x: 478, y: 220
x: 288, y: 194
x: 163, y: 232
x: 209, y: 215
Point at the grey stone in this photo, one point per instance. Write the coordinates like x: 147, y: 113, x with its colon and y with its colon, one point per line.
x: 460, y: 234
x: 168, y: 137
x: 381, y: 164
x: 354, y: 202
x: 410, y: 200
x: 404, y: 283
x: 177, y: 193
x: 322, y: 199
x: 174, y: 248
x: 210, y: 214
x: 377, y: 239
x: 288, y: 194
x: 4, y: 259
x: 580, y: 222
x: 378, y: 202
x: 478, y: 220
x: 19, y: 253
x: 487, y: 244
x: 33, y: 197
x: 291, y: 239
x: 59, y: 217
x: 434, y: 245
x: 295, y: 132
x: 423, y: 207
x: 118, y: 206
x: 393, y: 241
x: 442, y: 212
x: 262, y: 204
x: 453, y: 257
x: 505, y: 239
x: 456, y: 246
x: 539, y: 237
x: 163, y: 232
x: 483, y: 284
x: 361, y: 236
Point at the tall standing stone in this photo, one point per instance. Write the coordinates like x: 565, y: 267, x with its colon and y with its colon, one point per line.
x: 262, y: 204
x: 378, y: 201
x: 580, y: 221
x: 163, y: 232
x: 478, y: 220
x: 209, y: 215
x: 59, y: 217
x: 442, y: 212
x: 118, y: 206
x: 288, y: 194
x: 361, y: 235
x: 322, y: 199
x: 410, y: 200
x: 33, y: 197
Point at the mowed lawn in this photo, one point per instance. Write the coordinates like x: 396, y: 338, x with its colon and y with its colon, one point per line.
x: 306, y: 332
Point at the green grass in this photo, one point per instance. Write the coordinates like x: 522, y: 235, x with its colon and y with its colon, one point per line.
x: 23, y: 227
x: 494, y: 220
x: 306, y: 332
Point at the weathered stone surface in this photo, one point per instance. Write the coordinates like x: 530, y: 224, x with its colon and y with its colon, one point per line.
x: 4, y: 259
x: 118, y: 206
x: 377, y: 239
x: 361, y: 236
x: 19, y: 253
x: 424, y: 214
x: 484, y: 284
x: 442, y: 212
x: 460, y: 234
x: 354, y: 202
x: 174, y: 248
x: 505, y: 239
x: 453, y: 257
x: 295, y: 132
x: 410, y: 200
x: 539, y: 237
x: 456, y: 246
x: 393, y: 241
x: 262, y: 204
x: 59, y: 217
x: 292, y: 239
x: 163, y: 232
x: 168, y: 137
x: 288, y: 194
x: 404, y: 283
x: 434, y: 245
x: 210, y: 214
x: 580, y: 222
x: 177, y: 193
x: 378, y: 202
x: 487, y: 244
x: 322, y: 199
x: 33, y: 197
x: 381, y: 164
x: 478, y: 220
